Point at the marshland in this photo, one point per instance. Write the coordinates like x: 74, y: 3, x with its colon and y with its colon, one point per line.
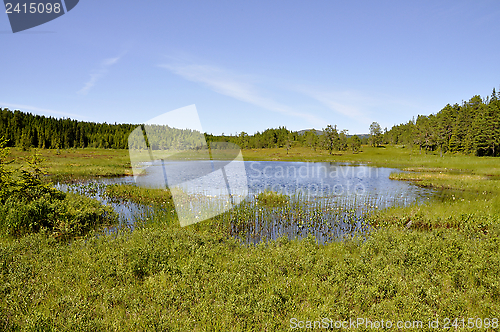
x: 250, y: 166
x: 273, y: 257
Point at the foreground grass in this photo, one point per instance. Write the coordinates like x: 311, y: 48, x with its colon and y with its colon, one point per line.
x: 167, y: 278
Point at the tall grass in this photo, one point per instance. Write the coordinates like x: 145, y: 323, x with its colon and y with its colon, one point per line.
x: 270, y: 215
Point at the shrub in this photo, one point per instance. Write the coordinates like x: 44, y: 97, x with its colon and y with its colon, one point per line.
x: 28, y: 204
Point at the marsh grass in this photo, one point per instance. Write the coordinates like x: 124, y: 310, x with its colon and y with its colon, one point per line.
x: 269, y: 215
x: 265, y: 216
x: 161, y: 277
x: 74, y: 164
x: 139, y: 195
x: 254, y: 221
x: 419, y: 262
x: 465, y: 181
x: 270, y: 198
x: 467, y: 201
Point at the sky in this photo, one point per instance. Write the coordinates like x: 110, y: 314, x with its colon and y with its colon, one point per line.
x: 253, y: 65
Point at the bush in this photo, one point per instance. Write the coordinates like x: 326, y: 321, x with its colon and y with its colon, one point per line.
x: 28, y: 204
x: 73, y: 215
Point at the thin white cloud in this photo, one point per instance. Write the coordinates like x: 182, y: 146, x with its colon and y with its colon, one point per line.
x: 42, y: 111
x: 345, y: 103
x: 240, y: 88
x: 97, y: 74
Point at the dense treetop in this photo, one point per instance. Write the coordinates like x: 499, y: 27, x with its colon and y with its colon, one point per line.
x: 27, y: 130
x: 471, y: 128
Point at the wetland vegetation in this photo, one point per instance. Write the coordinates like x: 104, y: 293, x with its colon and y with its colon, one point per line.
x: 438, y: 259
x: 271, y: 259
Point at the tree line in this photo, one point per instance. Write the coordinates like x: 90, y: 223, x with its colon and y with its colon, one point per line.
x: 329, y: 138
x: 26, y: 130
x: 471, y: 128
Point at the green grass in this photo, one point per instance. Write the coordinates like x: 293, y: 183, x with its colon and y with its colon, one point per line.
x: 85, y: 163
x: 390, y: 156
x: 435, y: 260
x: 167, y: 278
x: 272, y: 199
x: 71, y: 164
x: 265, y: 216
x: 467, y: 201
x: 139, y: 195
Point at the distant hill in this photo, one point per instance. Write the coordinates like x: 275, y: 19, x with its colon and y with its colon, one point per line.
x: 320, y: 132
x: 302, y: 132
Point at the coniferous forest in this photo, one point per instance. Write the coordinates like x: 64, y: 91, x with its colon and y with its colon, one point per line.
x: 26, y: 130
x: 470, y: 128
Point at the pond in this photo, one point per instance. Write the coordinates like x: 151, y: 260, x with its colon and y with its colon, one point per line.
x: 327, y: 200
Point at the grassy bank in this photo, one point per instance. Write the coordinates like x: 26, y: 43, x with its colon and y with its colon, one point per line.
x: 71, y: 163
x: 390, y: 156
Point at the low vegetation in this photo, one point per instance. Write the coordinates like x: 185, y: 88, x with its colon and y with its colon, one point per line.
x: 163, y: 277
x: 271, y: 198
x: 139, y: 195
x: 419, y: 263
x: 30, y: 205
x: 76, y: 164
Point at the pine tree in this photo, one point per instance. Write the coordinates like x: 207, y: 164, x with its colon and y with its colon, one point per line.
x: 493, y: 127
x: 481, y: 133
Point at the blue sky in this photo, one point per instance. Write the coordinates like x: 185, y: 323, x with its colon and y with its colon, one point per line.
x: 252, y: 65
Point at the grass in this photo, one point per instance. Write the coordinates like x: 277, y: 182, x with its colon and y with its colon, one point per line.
x: 390, y: 156
x: 166, y: 278
x: 272, y: 199
x: 468, y: 201
x: 139, y: 195
x: 462, y: 182
x: 267, y: 215
x: 73, y: 164
x: 422, y: 262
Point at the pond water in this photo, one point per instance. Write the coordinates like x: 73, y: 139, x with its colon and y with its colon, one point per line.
x: 290, y: 178
x: 328, y: 200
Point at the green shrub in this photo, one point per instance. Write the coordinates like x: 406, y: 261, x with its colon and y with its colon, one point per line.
x: 72, y: 215
x: 28, y: 204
